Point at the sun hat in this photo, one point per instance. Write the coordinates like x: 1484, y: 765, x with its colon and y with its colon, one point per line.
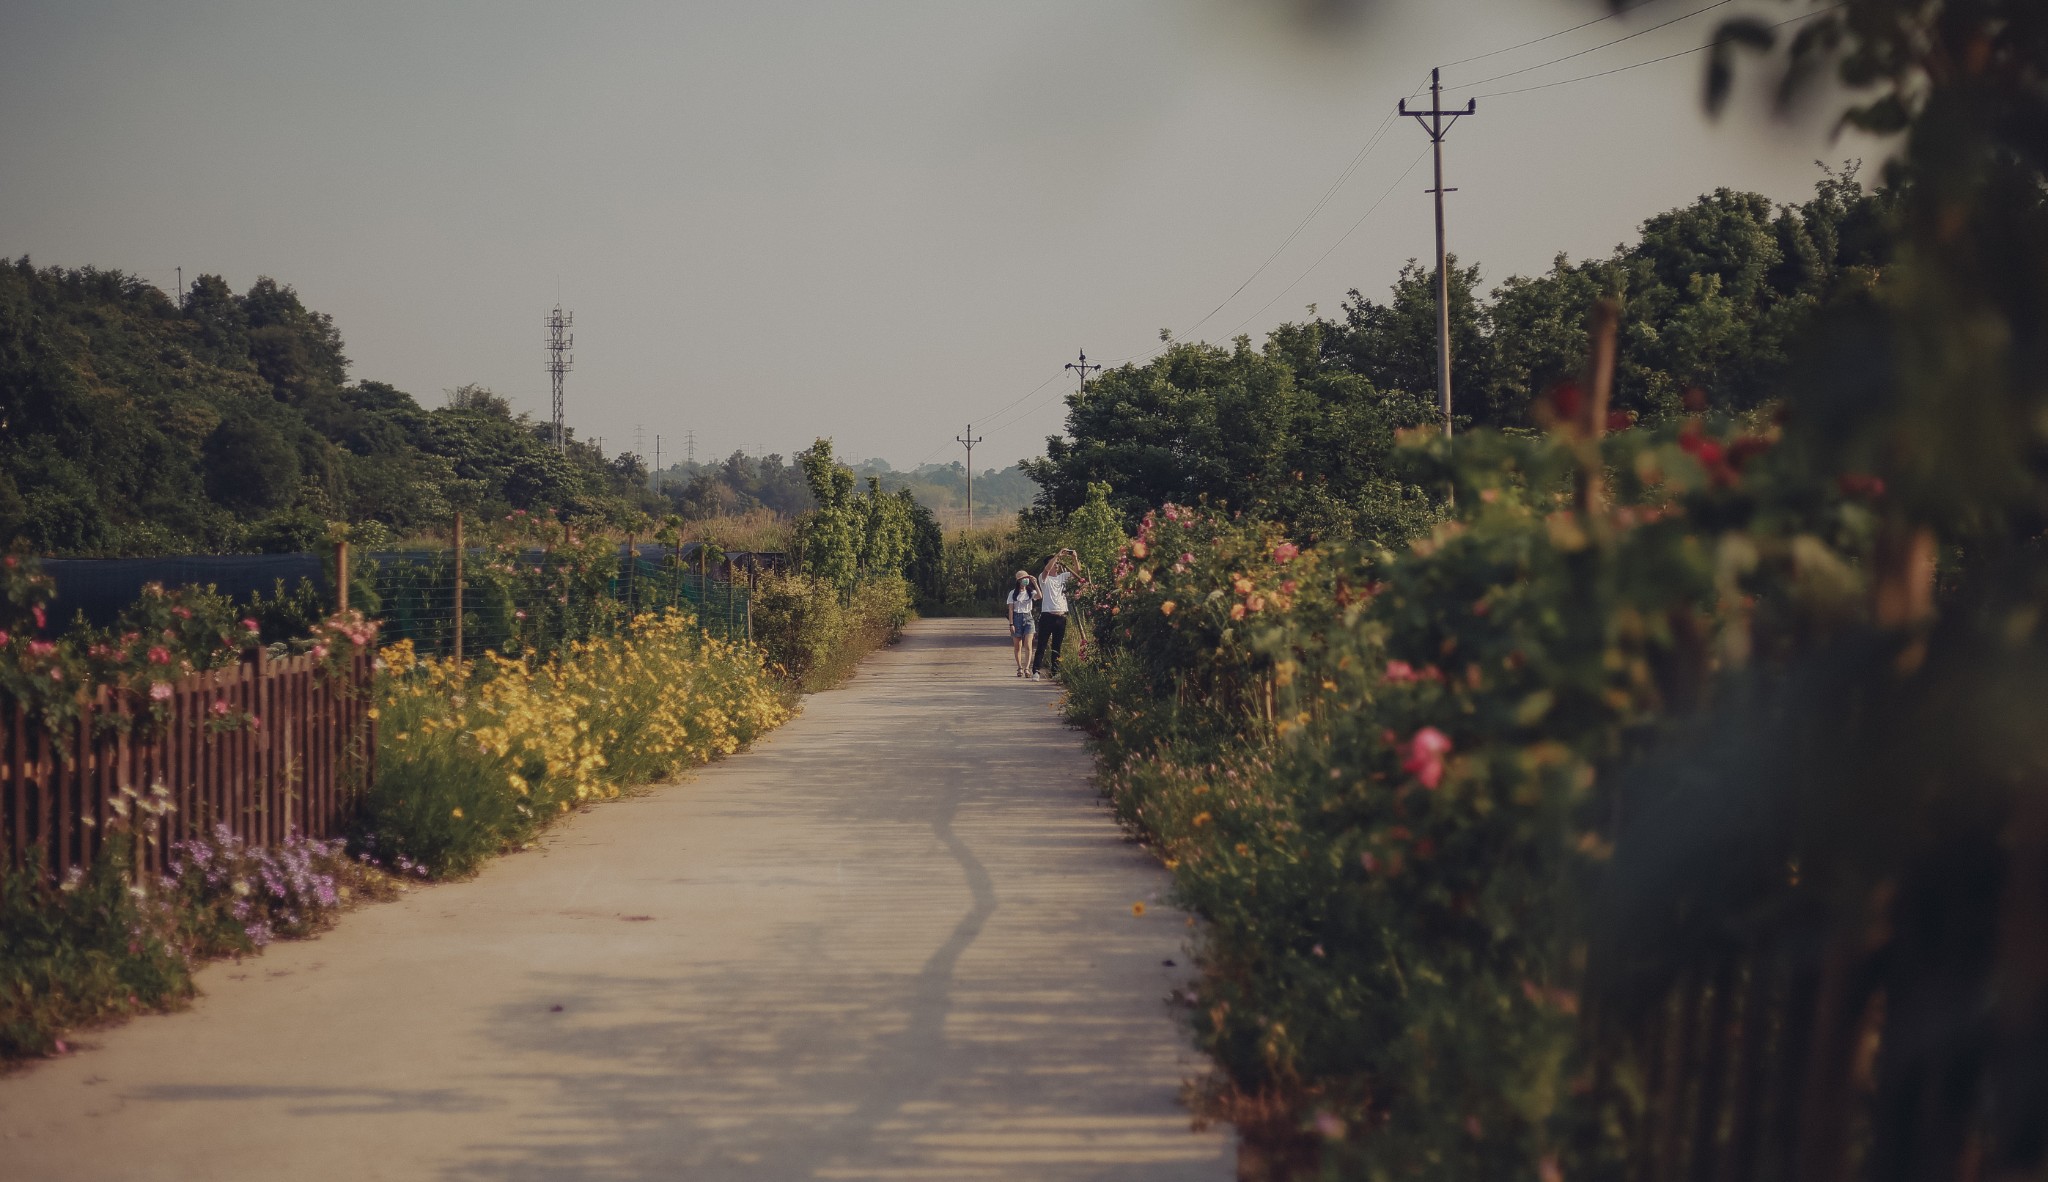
x: 1023, y: 574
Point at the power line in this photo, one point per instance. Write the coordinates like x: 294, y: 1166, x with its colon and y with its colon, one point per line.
x: 1477, y: 57
x: 1653, y: 61
x: 1371, y: 142
x: 1003, y: 421
x: 1389, y: 191
x: 1002, y: 417
x: 1603, y: 45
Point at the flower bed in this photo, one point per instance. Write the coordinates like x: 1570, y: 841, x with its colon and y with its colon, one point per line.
x: 474, y: 758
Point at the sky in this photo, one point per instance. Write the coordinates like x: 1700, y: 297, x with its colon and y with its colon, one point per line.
x: 875, y: 221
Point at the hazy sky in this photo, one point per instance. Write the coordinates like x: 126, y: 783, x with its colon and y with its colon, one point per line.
x: 872, y: 221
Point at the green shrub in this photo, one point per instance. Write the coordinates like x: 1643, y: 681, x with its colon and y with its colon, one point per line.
x: 813, y: 637
x: 85, y: 952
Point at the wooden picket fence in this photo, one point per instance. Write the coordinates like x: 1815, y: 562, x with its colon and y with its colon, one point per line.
x: 266, y: 748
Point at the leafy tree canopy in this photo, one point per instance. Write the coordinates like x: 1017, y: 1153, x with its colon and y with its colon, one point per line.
x: 132, y: 425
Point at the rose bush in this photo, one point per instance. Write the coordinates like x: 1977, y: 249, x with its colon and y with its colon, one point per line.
x: 1389, y: 779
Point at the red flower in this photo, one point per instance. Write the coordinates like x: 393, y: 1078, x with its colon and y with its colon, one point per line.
x: 1746, y: 446
x: 1620, y: 420
x: 1565, y: 398
x: 159, y: 655
x: 42, y: 621
x: 1708, y: 452
x: 1400, y: 672
x: 1285, y: 553
x: 1426, y: 749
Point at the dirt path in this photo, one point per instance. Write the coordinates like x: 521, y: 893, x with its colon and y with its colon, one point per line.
x: 893, y: 942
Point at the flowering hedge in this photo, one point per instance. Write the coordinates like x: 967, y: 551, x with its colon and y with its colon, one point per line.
x: 1390, y: 780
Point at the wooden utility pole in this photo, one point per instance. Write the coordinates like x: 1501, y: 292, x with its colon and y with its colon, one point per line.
x: 970, y: 441
x: 1432, y: 121
x: 1084, y: 369
x: 458, y: 588
x: 1599, y: 392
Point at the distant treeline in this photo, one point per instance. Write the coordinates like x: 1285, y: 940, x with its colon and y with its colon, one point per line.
x: 740, y: 483
x: 132, y: 425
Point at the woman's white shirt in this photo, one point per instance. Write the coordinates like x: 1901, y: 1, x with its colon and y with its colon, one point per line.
x: 1020, y: 602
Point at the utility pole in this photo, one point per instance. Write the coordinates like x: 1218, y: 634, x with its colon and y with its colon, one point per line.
x: 657, y: 464
x: 181, y: 289
x: 560, y: 341
x: 689, y: 449
x: 1084, y: 369
x: 1432, y: 121
x: 970, y: 441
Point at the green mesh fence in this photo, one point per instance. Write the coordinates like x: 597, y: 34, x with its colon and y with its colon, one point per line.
x: 536, y: 603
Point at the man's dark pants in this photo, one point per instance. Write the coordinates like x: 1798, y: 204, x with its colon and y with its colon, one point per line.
x: 1052, y: 633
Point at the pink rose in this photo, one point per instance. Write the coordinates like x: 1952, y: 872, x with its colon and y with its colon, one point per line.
x: 1400, y: 672
x: 159, y: 655
x: 41, y: 648
x: 251, y: 626
x: 1286, y: 552
x: 319, y: 652
x: 160, y: 691
x: 220, y: 707
x: 4, y: 638
x: 1426, y: 749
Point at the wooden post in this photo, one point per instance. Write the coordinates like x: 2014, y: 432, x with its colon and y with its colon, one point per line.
x: 1593, y: 412
x: 341, y: 578
x: 458, y: 588
x: 732, y: 602
x: 632, y: 571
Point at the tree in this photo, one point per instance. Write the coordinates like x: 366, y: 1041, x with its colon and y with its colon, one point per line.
x: 250, y: 466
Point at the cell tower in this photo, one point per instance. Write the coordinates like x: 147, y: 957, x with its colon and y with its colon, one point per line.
x: 560, y: 341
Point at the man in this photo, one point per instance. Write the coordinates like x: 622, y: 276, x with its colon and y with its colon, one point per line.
x: 1059, y: 574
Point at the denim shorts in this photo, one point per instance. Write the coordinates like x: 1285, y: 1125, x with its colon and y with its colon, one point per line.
x: 1020, y: 624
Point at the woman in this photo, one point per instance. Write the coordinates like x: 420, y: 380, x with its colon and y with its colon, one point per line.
x: 1018, y: 603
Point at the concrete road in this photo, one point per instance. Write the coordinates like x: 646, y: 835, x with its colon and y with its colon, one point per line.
x: 894, y: 941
